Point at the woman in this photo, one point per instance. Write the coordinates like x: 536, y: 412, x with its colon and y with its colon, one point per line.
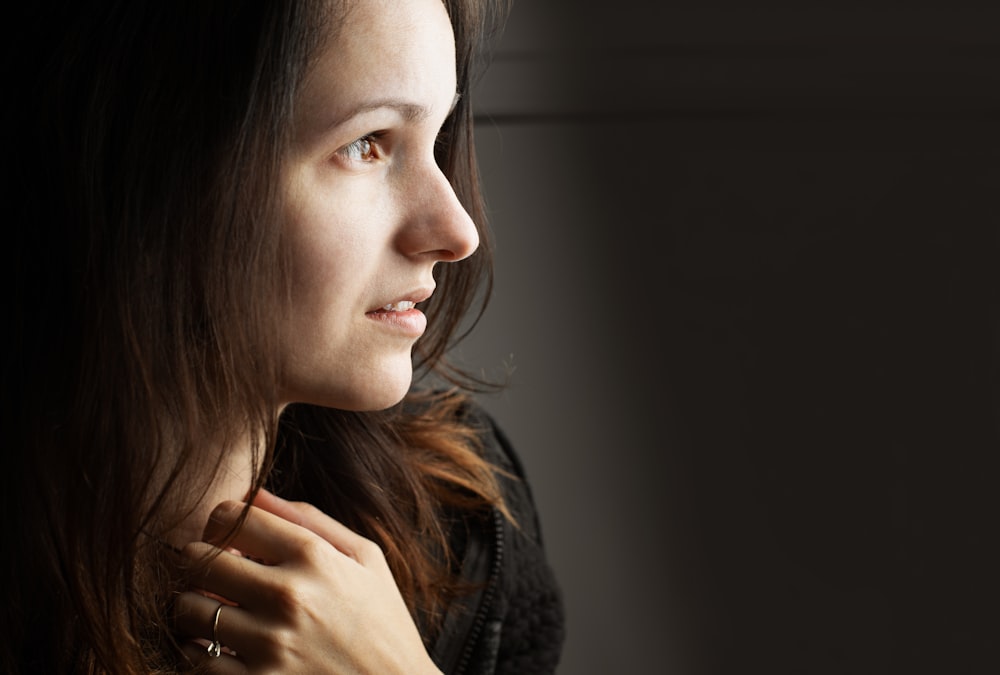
x: 238, y: 225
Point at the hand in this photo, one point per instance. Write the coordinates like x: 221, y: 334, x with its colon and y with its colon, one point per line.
x: 308, y: 595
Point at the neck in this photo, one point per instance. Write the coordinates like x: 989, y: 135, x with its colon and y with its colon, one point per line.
x: 232, y: 481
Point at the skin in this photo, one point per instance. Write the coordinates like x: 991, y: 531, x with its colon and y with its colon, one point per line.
x: 369, y: 215
x: 370, y: 211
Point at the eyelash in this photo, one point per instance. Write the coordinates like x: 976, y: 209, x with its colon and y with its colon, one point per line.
x: 364, y: 149
x: 368, y: 148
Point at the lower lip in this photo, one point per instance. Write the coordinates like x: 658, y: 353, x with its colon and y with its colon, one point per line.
x: 412, y: 322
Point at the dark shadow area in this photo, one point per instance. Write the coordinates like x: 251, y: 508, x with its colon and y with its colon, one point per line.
x: 748, y: 274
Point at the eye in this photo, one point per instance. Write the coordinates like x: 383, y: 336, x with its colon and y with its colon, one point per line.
x: 365, y: 149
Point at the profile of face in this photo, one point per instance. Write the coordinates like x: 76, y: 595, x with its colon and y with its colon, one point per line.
x: 368, y: 212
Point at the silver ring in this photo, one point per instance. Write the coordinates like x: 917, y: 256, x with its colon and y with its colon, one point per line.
x: 215, y: 649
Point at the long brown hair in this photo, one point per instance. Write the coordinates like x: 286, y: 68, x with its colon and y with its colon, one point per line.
x: 147, y: 141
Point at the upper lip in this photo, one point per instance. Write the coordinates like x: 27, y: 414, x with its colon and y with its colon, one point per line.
x: 415, y: 296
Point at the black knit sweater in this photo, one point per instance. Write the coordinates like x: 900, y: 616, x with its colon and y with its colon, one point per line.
x: 514, y: 625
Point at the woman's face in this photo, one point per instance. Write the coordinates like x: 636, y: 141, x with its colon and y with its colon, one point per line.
x: 369, y: 212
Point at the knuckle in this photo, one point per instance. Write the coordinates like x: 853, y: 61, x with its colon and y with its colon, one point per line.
x: 305, y: 509
x: 288, y: 601
x: 313, y: 549
x: 274, y: 639
x: 196, y: 557
x: 194, y: 550
x: 366, y: 550
x: 183, y: 606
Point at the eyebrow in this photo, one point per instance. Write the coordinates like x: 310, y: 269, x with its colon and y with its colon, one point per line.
x: 411, y: 112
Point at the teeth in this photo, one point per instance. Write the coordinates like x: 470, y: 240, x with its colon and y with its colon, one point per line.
x: 400, y: 306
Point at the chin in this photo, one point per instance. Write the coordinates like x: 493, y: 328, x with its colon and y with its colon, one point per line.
x: 388, y: 387
x: 375, y: 384
x: 380, y: 401
x: 375, y: 393
x: 392, y: 396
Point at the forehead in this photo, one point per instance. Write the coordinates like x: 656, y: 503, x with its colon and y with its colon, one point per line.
x: 402, y: 49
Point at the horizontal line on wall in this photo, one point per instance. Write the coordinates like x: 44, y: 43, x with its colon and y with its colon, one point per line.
x: 768, y: 50
x: 991, y: 114
x: 835, y: 84
x: 748, y: 26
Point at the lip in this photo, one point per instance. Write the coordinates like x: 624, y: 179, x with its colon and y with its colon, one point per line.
x: 415, y: 296
x: 408, y: 322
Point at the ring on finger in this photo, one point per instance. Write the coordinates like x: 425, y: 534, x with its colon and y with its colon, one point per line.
x: 215, y: 648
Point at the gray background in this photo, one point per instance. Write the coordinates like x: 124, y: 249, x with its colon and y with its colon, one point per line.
x: 746, y: 291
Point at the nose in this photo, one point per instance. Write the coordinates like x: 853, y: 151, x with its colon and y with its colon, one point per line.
x: 437, y: 226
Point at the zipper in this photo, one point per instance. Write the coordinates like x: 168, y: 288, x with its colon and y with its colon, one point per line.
x: 491, y: 589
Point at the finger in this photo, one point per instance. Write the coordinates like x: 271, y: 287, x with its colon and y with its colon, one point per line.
x: 274, y: 539
x: 305, y: 515
x: 268, y: 543
x: 225, y: 664
x: 226, y: 575
x: 222, y: 522
x: 195, y: 617
x: 263, y: 536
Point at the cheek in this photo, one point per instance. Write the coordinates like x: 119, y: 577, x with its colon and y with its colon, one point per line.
x: 318, y: 269
x: 336, y: 236
x: 324, y: 252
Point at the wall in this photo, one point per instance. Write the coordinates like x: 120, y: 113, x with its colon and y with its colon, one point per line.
x: 747, y: 286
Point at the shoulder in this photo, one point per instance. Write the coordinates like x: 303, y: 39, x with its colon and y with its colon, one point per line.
x: 499, y: 451
x: 521, y: 617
